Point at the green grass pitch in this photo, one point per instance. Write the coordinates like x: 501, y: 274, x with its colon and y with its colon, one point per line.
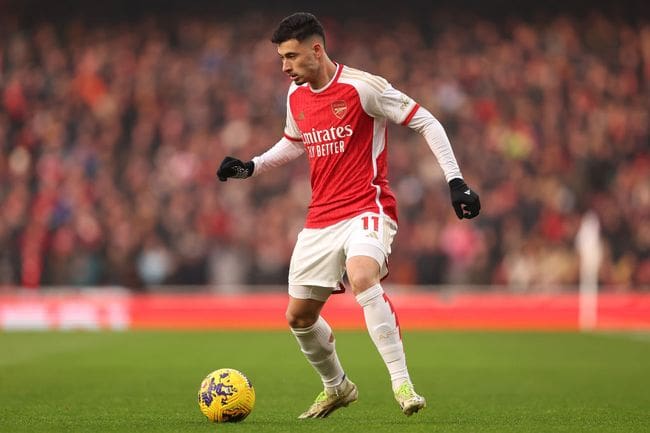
x: 473, y: 382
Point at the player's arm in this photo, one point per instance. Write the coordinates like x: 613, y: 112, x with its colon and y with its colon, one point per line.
x: 401, y: 109
x: 279, y: 154
x: 466, y: 202
x: 422, y: 121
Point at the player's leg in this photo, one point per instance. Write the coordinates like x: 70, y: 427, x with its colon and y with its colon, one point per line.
x: 317, y: 343
x: 365, y: 265
x: 315, y: 338
x: 381, y: 319
x: 316, y: 267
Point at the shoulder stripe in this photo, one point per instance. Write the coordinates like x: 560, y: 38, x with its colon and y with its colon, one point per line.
x: 365, y: 76
x: 361, y: 79
x: 377, y: 83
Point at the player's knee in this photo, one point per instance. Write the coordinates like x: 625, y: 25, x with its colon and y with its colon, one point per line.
x: 363, y: 273
x: 300, y: 319
x: 361, y: 281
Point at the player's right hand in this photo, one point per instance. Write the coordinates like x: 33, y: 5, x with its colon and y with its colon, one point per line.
x: 233, y: 167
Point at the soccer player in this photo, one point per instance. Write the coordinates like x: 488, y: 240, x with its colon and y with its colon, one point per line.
x: 337, y: 116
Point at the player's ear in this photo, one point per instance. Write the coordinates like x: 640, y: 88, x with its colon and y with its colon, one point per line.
x: 317, y: 47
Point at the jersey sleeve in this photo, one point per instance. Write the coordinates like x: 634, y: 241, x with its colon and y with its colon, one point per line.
x: 280, y: 153
x: 397, y: 106
x: 381, y: 99
x: 426, y: 124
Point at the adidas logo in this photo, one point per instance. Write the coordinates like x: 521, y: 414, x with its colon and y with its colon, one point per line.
x: 468, y: 192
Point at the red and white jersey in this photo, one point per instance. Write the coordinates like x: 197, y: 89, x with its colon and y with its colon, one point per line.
x: 343, y: 129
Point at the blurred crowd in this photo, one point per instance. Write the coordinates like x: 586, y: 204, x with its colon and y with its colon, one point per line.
x: 111, y: 135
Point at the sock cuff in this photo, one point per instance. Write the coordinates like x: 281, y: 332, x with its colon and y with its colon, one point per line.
x: 304, y: 331
x: 320, y: 326
x: 367, y: 296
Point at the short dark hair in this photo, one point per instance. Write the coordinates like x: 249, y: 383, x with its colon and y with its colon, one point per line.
x: 300, y: 26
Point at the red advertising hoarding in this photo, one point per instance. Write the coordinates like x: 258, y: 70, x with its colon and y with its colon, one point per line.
x: 266, y: 311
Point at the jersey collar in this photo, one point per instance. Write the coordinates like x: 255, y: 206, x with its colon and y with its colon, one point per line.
x: 334, y: 79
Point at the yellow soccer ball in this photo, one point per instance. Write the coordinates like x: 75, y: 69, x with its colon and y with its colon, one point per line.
x: 226, y: 395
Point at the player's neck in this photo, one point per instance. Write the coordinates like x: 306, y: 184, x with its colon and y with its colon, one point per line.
x: 325, y: 75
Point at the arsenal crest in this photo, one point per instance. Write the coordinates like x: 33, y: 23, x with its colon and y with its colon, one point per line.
x: 339, y: 108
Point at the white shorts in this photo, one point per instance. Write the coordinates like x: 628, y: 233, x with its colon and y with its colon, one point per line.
x: 318, y: 260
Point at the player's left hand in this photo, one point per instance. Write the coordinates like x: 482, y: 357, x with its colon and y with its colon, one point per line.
x: 464, y: 200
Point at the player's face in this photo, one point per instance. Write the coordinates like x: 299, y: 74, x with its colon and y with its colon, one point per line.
x: 300, y: 59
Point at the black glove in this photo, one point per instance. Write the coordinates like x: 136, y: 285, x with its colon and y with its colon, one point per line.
x: 465, y: 201
x: 233, y: 167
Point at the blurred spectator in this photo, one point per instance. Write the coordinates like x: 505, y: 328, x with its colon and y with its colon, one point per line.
x: 110, y: 135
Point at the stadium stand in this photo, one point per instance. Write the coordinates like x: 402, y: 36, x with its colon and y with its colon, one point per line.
x: 111, y: 128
